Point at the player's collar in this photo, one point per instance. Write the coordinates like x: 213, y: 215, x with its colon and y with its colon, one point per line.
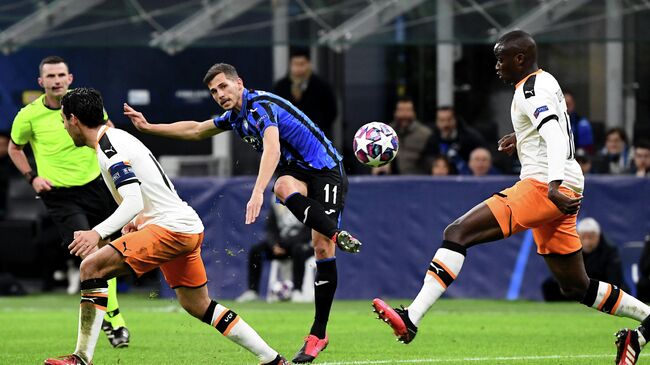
x: 539, y: 71
x: 101, y: 131
x: 244, y: 104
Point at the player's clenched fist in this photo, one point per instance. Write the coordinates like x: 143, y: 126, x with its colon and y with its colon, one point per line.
x: 508, y: 143
x: 130, y: 227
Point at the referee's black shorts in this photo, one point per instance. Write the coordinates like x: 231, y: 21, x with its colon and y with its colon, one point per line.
x: 78, y: 208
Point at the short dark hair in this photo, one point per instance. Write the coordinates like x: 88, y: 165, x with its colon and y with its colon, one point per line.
x: 220, y: 68
x: 514, y: 34
x: 86, y: 104
x: 299, y: 52
x: 617, y: 130
x: 450, y: 166
x: 643, y: 143
x: 50, y: 60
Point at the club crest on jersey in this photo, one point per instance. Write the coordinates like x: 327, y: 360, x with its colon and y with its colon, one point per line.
x: 540, y: 110
x: 254, y: 142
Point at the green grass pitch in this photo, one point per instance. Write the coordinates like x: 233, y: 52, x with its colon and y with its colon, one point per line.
x: 454, y: 332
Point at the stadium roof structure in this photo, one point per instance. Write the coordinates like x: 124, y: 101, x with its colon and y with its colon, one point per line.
x: 175, y: 25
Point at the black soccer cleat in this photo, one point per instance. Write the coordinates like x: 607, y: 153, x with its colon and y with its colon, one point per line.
x: 397, y: 318
x: 346, y: 242
x: 279, y: 360
x: 107, y: 327
x: 627, y: 347
x: 118, y: 337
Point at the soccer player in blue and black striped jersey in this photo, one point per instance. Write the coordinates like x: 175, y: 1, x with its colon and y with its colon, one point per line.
x: 311, y: 181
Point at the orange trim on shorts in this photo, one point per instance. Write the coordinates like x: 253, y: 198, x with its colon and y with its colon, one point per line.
x: 230, y: 326
x: 446, y: 268
x: 618, y: 301
x: 435, y: 276
x: 609, y: 291
x: 100, y: 295
x: 214, y: 324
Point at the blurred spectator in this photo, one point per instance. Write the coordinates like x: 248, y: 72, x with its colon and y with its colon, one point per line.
x: 286, y: 237
x: 413, y: 137
x: 480, y: 163
x: 442, y: 167
x: 4, y: 173
x: 642, y: 158
x: 307, y: 91
x: 582, y: 132
x: 602, y: 260
x: 453, y: 139
x: 643, y: 286
x: 616, y: 156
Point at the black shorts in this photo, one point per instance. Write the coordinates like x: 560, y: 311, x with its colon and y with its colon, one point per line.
x: 326, y: 186
x: 78, y: 208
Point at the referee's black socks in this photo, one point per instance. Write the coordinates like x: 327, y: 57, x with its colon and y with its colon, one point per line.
x: 312, y: 214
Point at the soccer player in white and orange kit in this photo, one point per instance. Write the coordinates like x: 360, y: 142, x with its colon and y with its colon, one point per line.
x: 160, y: 230
x: 546, y: 200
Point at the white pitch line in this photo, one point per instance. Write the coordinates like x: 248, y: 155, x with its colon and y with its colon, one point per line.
x: 471, y: 359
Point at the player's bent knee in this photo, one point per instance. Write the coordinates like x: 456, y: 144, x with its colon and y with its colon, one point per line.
x: 454, y: 232
x: 90, y: 268
x: 283, y: 188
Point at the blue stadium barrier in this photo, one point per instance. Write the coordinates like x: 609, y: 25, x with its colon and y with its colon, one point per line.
x: 400, y: 221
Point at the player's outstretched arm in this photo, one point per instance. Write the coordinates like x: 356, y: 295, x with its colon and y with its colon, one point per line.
x: 188, y: 130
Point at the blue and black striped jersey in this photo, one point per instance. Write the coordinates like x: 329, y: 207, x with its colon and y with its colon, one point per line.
x: 301, y: 141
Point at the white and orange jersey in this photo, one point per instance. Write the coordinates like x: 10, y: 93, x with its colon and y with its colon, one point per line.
x: 123, y: 160
x: 538, y: 99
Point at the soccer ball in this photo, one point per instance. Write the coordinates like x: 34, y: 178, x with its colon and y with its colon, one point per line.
x: 281, y: 290
x: 375, y: 144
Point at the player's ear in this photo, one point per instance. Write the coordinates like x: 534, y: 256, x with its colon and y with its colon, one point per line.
x: 70, y: 78
x: 520, y: 58
x: 40, y: 81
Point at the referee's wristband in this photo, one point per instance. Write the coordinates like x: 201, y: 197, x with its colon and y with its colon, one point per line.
x: 30, y: 176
